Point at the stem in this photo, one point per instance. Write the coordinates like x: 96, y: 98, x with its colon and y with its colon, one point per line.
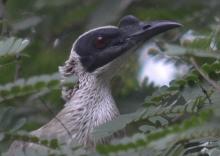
x: 17, y: 67
x: 205, y: 76
x: 2, y: 17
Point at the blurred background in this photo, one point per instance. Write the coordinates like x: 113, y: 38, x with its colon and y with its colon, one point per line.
x: 49, y: 28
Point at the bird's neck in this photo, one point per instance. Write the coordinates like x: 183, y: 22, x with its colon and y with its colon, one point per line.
x: 90, y: 104
x: 95, y: 98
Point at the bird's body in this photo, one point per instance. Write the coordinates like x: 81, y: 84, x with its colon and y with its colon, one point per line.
x: 95, y: 58
x: 90, y: 105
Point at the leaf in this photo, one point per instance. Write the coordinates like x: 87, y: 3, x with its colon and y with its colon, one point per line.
x: 25, y: 87
x: 2, y: 136
x: 5, y: 45
x: 26, y: 23
x: 146, y: 128
x: 159, y: 120
x: 214, y: 152
x: 175, y: 50
x: 10, y: 47
x: 113, y: 126
x: 6, y: 117
x: 18, y: 124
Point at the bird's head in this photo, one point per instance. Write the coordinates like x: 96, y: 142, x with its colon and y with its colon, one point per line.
x: 98, y: 48
x: 103, y: 50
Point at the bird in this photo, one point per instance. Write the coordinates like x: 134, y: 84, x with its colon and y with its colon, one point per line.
x: 95, y: 58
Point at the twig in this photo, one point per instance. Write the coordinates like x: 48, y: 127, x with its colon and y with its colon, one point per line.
x: 51, y: 111
x: 205, y: 76
x: 206, y: 93
x: 17, y: 67
x: 3, y: 17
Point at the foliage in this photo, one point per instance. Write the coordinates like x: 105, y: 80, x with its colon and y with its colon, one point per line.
x: 10, y: 49
x: 23, y: 87
x: 179, y: 119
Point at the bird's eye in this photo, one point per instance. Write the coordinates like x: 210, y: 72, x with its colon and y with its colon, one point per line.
x: 100, y: 42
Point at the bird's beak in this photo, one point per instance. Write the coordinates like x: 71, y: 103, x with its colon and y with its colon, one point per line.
x: 150, y: 29
x: 137, y: 31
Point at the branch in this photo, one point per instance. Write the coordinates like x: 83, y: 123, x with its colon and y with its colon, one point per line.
x: 58, y: 120
x: 2, y: 9
x: 17, y: 67
x: 3, y: 16
x: 205, y: 76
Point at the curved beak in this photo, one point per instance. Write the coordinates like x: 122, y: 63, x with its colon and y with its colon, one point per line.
x: 151, y: 29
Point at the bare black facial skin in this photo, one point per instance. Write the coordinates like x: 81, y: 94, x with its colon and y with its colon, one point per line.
x: 101, y: 46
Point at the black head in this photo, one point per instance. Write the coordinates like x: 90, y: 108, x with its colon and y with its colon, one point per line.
x: 100, y: 46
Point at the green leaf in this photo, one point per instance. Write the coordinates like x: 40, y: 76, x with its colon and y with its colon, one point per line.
x: 10, y: 47
x: 146, y: 128
x: 25, y: 87
x: 18, y: 124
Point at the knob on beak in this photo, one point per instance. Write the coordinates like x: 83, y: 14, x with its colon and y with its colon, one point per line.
x: 142, y: 31
x: 153, y: 28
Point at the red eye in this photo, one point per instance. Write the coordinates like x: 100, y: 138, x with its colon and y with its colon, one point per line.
x: 100, y: 42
